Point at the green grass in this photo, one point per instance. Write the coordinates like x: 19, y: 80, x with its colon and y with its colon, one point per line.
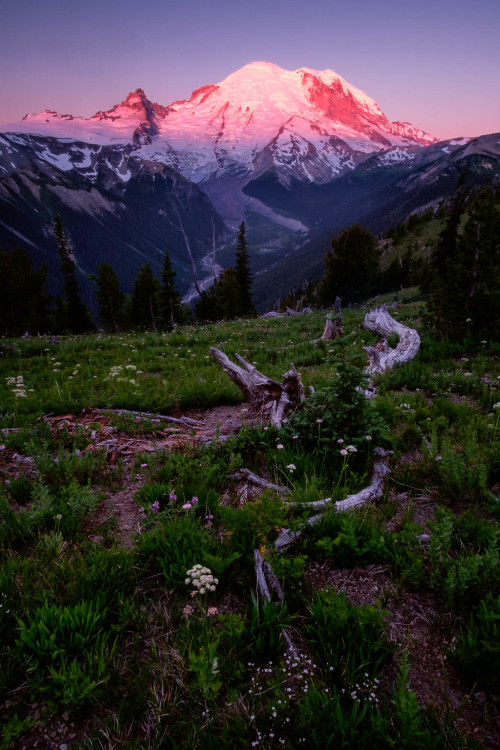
x: 112, y: 635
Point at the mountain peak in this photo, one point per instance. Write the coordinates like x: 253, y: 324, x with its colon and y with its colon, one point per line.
x: 305, y: 124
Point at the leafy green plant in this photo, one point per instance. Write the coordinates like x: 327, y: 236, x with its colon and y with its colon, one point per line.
x: 180, y: 544
x: 462, y: 474
x: 350, y: 538
x: 67, y: 652
x: 20, y: 490
x: 264, y: 627
x: 476, y: 650
x: 336, y: 417
x: 108, y: 575
x: 323, y: 720
x: 13, y: 729
x: 464, y: 556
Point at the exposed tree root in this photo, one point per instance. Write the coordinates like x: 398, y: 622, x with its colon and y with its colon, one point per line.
x: 286, y: 537
x: 249, y: 476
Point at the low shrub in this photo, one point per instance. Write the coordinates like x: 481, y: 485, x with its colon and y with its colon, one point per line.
x: 476, y: 651
x: 349, y: 641
x: 67, y: 652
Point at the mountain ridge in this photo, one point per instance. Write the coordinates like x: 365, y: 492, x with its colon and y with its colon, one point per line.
x: 296, y: 154
x: 312, y: 123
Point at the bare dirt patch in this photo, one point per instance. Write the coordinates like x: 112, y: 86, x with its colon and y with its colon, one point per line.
x: 418, y: 624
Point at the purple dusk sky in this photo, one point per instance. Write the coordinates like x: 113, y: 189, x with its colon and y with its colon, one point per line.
x: 434, y: 63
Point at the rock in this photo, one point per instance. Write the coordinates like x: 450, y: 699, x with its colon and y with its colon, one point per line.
x: 480, y: 697
x: 424, y: 537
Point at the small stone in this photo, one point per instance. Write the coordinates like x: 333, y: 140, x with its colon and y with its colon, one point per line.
x: 424, y: 537
x: 480, y: 697
x: 63, y: 746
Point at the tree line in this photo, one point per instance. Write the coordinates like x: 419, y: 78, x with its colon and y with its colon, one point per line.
x: 155, y: 304
x: 460, y: 277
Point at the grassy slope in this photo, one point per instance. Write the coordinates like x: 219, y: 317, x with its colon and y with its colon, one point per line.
x: 138, y: 669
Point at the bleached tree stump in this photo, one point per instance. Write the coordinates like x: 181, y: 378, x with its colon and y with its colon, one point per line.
x: 267, y: 397
x: 333, y: 324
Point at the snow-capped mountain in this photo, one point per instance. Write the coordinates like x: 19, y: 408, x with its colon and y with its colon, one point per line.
x: 294, y: 153
x: 305, y: 124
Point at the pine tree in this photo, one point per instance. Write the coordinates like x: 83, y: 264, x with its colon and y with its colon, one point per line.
x: 110, y: 298
x: 243, y: 275
x: 352, y: 267
x: 24, y: 303
x: 464, y: 287
x: 446, y: 249
x: 171, y: 307
x: 206, y: 308
x: 77, y: 314
x: 146, y: 299
x: 228, y: 295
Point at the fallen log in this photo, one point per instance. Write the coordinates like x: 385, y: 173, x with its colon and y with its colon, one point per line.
x: 363, y: 497
x: 266, y: 397
x: 249, y: 476
x: 381, y: 356
x: 186, y: 421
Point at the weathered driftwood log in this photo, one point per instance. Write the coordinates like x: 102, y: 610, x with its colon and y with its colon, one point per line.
x: 289, y: 311
x: 267, y: 397
x: 249, y: 476
x: 266, y: 579
x: 272, y: 314
x: 187, y: 421
x: 363, y: 497
x: 381, y: 356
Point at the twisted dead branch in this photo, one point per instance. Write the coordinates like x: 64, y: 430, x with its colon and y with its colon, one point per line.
x: 381, y: 356
x: 375, y: 489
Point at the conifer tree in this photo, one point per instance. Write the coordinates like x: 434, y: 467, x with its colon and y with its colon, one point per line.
x: 446, y: 249
x: 465, y: 273
x: 110, y: 298
x: 171, y: 307
x: 76, y: 313
x: 352, y: 267
x: 24, y: 303
x: 243, y: 275
x: 146, y: 299
x: 206, y: 308
x: 228, y: 295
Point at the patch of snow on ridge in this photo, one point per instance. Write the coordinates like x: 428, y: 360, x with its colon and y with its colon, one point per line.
x: 61, y: 161
x: 83, y: 158
x: 460, y: 141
